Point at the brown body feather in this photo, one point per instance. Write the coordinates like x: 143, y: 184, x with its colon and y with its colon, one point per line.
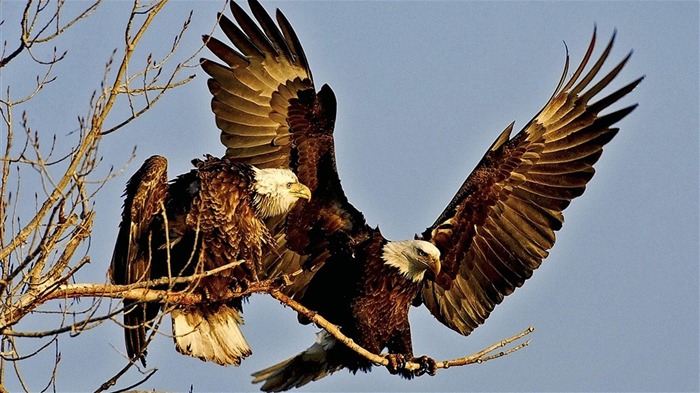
x: 211, y: 221
x: 492, y: 236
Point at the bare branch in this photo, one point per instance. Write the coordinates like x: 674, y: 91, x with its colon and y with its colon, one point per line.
x: 334, y: 330
x: 133, y: 362
x: 114, y: 379
x: 22, y: 44
x: 61, y: 29
x: 44, y: 245
x: 28, y: 39
x: 136, y: 292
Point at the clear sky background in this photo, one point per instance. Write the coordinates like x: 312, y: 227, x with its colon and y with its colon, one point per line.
x: 423, y: 89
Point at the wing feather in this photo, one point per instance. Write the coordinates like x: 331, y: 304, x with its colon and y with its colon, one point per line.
x: 239, y: 116
x: 145, y: 196
x: 293, y: 42
x: 272, y: 33
x: 500, y: 225
x: 270, y: 115
x: 251, y: 92
x: 236, y: 101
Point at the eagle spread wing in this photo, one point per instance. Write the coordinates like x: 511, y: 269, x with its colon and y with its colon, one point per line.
x: 498, y: 227
x: 253, y: 90
x: 270, y: 115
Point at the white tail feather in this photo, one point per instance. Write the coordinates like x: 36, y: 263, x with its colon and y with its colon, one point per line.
x: 211, y: 335
x: 307, y: 366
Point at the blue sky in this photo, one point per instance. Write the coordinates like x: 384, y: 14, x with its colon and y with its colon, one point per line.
x: 423, y: 89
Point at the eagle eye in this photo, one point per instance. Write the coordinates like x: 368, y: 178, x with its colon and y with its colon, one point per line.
x: 289, y: 185
x: 421, y: 253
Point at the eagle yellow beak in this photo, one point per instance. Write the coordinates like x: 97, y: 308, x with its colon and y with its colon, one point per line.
x: 435, y: 266
x: 300, y: 191
x: 432, y: 267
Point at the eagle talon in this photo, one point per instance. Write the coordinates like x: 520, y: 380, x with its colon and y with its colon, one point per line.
x: 239, y: 284
x: 427, y: 365
x: 397, y: 362
x: 253, y: 268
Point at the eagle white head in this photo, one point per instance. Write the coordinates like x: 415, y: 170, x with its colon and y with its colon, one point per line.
x: 276, y: 190
x: 413, y: 258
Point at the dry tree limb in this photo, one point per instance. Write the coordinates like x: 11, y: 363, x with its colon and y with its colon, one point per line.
x: 483, y: 355
x: 140, y: 291
x: 271, y: 287
x: 479, y: 357
x: 48, y: 183
x: 144, y: 291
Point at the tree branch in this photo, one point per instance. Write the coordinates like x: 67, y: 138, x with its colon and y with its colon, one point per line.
x: 144, y: 291
x: 47, y: 190
x: 479, y: 357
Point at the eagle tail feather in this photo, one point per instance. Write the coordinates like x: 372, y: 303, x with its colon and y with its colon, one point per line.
x: 211, y: 335
x: 311, y: 365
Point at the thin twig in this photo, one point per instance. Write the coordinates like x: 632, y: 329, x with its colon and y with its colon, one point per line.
x: 482, y: 356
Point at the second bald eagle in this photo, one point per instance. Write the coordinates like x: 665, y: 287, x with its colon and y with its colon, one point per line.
x: 206, y: 218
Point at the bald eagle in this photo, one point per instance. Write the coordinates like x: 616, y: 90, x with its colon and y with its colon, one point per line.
x: 489, y: 239
x: 206, y: 218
